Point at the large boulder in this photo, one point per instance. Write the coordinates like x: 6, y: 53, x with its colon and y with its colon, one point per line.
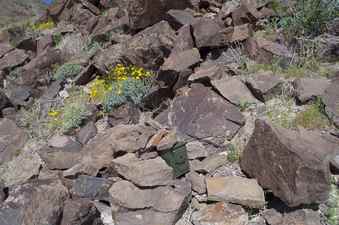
x: 294, y: 165
x: 199, y: 112
x: 12, y: 59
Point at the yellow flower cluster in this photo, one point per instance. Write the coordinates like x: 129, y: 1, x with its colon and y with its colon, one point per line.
x: 98, y: 89
x: 121, y: 72
x: 44, y: 26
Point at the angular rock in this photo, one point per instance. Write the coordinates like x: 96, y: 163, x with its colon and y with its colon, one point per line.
x: 208, y: 71
x: 237, y: 190
x: 12, y: 59
x: 161, y: 205
x: 309, y: 88
x: 38, y: 202
x: 104, y: 59
x: 178, y: 18
x: 274, y: 48
x: 298, y: 217
x: 144, y: 13
x: 4, y: 101
x: 335, y: 164
x: 209, y: 164
x: 144, y: 173
x: 198, y: 112
x: 265, y: 85
x: 234, y: 90
x: 4, y: 49
x: 95, y: 188
x: 149, y: 47
x: 331, y: 100
x: 198, y: 182
x: 20, y: 96
x: 206, y: 32
x: 181, y: 61
x: 220, y: 214
x: 294, y: 165
x: 130, y: 138
x: 62, y: 153
x: 124, y: 115
x: 44, y: 42
x: 86, y: 133
x: 196, y: 150
x: 79, y: 212
x: 20, y: 169
x: 184, y: 40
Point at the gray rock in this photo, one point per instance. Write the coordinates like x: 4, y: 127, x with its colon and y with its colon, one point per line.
x: 271, y: 164
x: 265, y: 85
x: 12, y: 59
x: 179, y: 61
x: 234, y: 90
x: 5, y: 48
x: 198, y: 182
x: 297, y: 217
x: 335, y: 164
x: 79, y: 212
x: 210, y: 164
x: 238, y: 190
x: 91, y: 187
x: 331, y: 101
x: 20, y: 169
x: 309, y: 88
x: 208, y: 71
x: 149, y: 47
x: 63, y: 141
x: 161, y: 205
x: 99, y: 152
x: 39, y: 202
x: 144, y: 173
x: 198, y: 112
x: 86, y: 133
x: 220, y: 214
x: 184, y: 40
x: 12, y: 139
x: 196, y: 150
x: 178, y: 18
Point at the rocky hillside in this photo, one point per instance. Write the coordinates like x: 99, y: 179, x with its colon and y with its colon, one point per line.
x: 15, y: 11
x: 170, y: 112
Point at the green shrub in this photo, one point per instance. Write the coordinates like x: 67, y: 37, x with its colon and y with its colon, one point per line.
x: 280, y: 112
x: 332, y: 213
x: 232, y: 153
x: 74, y: 113
x: 309, y: 17
x: 131, y: 89
x: 67, y: 71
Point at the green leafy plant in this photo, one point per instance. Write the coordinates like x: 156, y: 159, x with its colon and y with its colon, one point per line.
x: 233, y: 154
x: 309, y: 17
x: 72, y: 114
x: 332, y: 213
x: 313, y: 117
x: 280, y: 112
x: 67, y: 71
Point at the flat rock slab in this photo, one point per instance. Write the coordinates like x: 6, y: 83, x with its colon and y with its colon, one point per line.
x: 238, y: 190
x: 294, y: 165
x: 234, y: 90
x: 144, y: 173
x: 199, y: 112
x: 220, y: 214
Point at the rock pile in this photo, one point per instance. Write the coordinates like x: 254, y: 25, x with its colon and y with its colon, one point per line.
x: 171, y: 159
